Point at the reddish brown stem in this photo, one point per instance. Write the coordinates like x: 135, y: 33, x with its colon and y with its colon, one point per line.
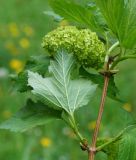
x: 98, y: 122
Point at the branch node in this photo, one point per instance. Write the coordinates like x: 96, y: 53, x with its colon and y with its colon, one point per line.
x: 93, y: 149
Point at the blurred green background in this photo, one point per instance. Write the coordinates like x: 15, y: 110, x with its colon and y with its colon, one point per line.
x: 22, y: 26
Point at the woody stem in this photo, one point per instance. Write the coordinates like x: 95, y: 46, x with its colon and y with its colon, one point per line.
x: 98, y: 122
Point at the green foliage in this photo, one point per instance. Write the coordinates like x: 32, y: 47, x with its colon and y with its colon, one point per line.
x: 98, y: 17
x: 55, y: 90
x: 37, y: 64
x: 119, y: 14
x: 111, y: 149
x: 121, y: 18
x: 124, y: 147
x: 59, y: 91
x: 31, y: 115
x: 98, y: 79
x: 85, y: 45
x: 75, y: 13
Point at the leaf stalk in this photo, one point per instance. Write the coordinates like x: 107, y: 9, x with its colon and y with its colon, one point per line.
x: 73, y: 125
x: 122, y: 59
x: 110, y: 50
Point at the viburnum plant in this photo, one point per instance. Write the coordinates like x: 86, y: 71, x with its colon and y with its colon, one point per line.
x: 100, y: 35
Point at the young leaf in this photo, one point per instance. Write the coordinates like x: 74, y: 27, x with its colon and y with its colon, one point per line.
x: 37, y: 64
x: 31, y: 115
x: 75, y: 13
x: 121, y: 19
x: 99, y: 18
x: 59, y: 90
x: 124, y: 148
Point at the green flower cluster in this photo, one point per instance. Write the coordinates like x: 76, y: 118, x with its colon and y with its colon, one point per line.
x: 83, y: 43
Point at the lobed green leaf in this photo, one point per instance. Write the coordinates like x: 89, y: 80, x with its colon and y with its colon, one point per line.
x: 121, y: 147
x: 121, y: 19
x: 59, y: 91
x: 78, y: 14
x: 32, y: 115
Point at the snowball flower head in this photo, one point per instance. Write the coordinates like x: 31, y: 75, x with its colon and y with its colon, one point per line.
x: 83, y: 43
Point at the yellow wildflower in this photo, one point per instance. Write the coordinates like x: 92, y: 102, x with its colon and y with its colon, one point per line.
x: 45, y: 142
x: 28, y: 30
x: 13, y: 29
x: 14, y: 51
x: 11, y: 47
x: 24, y: 43
x: 6, y: 114
x: 64, y: 23
x: 92, y: 125
x: 128, y: 107
x: 16, y: 65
